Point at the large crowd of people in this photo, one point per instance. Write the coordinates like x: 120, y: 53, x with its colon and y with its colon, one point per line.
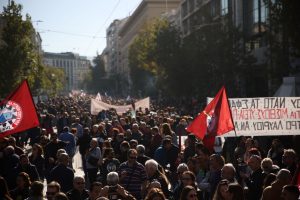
x: 139, y: 156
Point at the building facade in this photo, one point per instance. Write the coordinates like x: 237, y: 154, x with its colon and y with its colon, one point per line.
x: 112, y: 51
x: 74, y: 66
x: 250, y: 16
x: 144, y: 13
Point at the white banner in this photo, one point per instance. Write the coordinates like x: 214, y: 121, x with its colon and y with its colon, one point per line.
x: 265, y: 116
x: 97, y: 106
x: 144, y: 103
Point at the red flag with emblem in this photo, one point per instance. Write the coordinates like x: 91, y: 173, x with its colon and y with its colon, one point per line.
x: 17, y: 111
x: 214, y: 120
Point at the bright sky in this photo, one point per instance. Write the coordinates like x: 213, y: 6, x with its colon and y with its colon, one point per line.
x: 75, y: 25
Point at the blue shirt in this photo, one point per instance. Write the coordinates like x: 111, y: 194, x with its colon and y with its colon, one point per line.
x: 69, y: 139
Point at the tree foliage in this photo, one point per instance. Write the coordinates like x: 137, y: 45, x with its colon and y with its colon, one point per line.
x: 53, y: 80
x: 197, y: 65
x: 94, y: 80
x: 19, y: 58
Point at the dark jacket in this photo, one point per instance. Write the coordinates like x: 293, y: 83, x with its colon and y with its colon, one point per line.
x: 39, y: 163
x: 255, y: 184
x: 8, y: 165
x: 75, y: 194
x: 18, y: 194
x: 84, y: 143
x: 30, y: 170
x: 64, y: 176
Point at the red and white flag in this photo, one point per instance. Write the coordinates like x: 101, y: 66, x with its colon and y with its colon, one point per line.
x: 214, y: 120
x: 17, y: 111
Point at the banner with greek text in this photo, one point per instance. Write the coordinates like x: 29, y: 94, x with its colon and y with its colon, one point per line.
x: 97, y: 106
x: 265, y: 116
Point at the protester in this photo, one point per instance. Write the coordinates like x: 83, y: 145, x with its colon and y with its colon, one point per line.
x: 255, y: 180
x: 62, y: 174
x: 274, y: 191
x: 113, y: 190
x: 153, y: 174
x: 23, y: 187
x: 236, y: 192
x: 178, y: 186
x: 36, y: 191
x: 167, y: 154
x: 36, y: 158
x: 95, y: 189
x: 53, y: 188
x: 78, y: 192
x: 10, y: 162
x: 25, y: 166
x: 142, y: 158
x: 84, y: 143
x: 4, y: 194
x: 18, y: 150
x: 289, y: 160
x: 221, y: 192
x: 228, y: 172
x: 188, y: 193
x: 155, y: 194
x: 50, y: 152
x: 290, y: 192
x: 109, y: 164
x: 92, y: 158
x: 133, y: 175
x: 67, y: 137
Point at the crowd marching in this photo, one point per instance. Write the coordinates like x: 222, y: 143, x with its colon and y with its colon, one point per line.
x: 140, y: 157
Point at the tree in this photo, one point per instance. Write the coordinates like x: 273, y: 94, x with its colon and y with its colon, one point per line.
x: 19, y: 58
x: 95, y: 79
x: 53, y: 80
x: 283, y: 40
x: 142, y: 56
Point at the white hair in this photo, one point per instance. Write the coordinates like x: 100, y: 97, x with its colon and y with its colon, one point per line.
x: 112, y: 178
x: 151, y: 164
x: 182, y: 166
x: 230, y: 165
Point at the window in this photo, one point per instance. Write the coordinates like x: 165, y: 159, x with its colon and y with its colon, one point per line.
x: 184, y: 9
x: 224, y: 7
x: 255, y: 11
x: 263, y: 11
x: 213, y: 8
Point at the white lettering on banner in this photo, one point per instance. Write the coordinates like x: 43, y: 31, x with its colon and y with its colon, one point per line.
x: 265, y: 116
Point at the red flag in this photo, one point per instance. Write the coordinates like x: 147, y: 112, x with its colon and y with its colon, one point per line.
x: 214, y: 120
x: 17, y: 112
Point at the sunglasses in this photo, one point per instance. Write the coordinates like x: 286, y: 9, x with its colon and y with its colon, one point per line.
x: 133, y: 157
x: 50, y: 193
x: 80, y: 183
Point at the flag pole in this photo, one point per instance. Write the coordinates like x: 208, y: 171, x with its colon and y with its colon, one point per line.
x: 230, y: 113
